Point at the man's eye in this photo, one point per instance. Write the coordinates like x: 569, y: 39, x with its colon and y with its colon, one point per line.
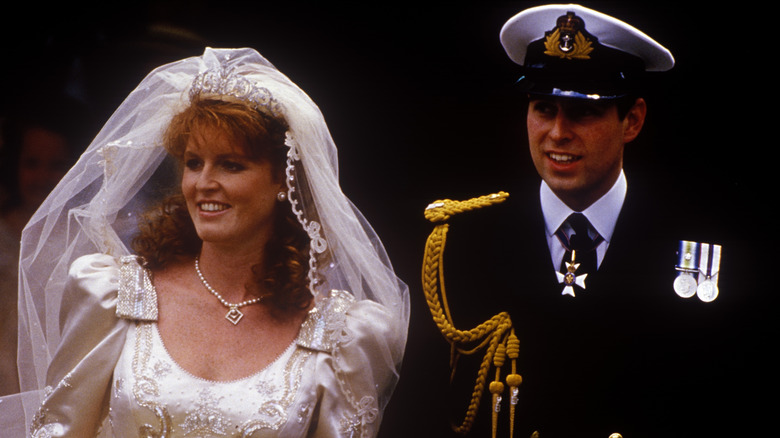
x: 585, y: 111
x: 544, y: 108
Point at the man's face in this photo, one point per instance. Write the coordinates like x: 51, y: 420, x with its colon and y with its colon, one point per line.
x: 577, y: 145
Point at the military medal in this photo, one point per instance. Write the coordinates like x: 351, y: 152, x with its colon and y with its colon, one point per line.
x: 569, y: 279
x: 709, y: 266
x: 687, y: 265
x: 685, y: 285
x: 707, y: 291
x: 697, y: 266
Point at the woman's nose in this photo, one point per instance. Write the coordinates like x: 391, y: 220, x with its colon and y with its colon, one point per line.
x: 207, y: 179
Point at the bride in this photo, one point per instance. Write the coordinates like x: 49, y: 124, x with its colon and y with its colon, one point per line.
x: 207, y: 276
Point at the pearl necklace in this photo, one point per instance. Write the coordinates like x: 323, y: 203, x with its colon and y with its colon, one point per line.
x: 234, y: 315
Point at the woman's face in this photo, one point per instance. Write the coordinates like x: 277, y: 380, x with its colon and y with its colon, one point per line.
x: 230, y: 196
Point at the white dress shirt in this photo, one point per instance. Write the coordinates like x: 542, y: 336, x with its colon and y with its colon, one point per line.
x: 602, y: 214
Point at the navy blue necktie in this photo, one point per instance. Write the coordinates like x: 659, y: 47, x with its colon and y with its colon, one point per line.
x: 581, y: 243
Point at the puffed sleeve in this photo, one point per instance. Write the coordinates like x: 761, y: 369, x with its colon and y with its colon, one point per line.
x: 79, y: 377
x: 356, y: 378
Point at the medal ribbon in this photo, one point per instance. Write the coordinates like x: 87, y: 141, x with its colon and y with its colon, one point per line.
x: 688, y: 256
x: 710, y: 260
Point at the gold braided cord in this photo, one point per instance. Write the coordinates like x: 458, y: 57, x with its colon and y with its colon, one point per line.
x: 495, y: 335
x: 440, y: 211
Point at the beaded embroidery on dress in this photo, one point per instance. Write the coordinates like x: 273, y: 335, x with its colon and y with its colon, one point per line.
x: 148, y: 384
x: 151, y: 395
x: 152, y: 392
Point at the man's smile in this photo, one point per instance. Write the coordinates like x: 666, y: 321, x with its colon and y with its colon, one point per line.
x: 563, y: 158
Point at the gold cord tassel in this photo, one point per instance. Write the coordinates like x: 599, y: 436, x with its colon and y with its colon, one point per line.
x: 490, y: 335
x: 496, y: 386
x: 513, y: 380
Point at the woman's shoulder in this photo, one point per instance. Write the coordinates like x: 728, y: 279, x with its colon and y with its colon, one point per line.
x: 339, y: 319
x: 91, y: 264
x: 122, y: 282
x: 92, y: 277
x: 359, y: 351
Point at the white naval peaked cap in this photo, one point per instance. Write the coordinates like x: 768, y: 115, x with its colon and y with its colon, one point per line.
x: 532, y: 24
x: 568, y: 50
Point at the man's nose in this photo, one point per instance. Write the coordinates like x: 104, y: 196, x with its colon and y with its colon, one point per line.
x: 561, y: 128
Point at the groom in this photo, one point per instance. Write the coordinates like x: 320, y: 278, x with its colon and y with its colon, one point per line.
x: 613, y: 283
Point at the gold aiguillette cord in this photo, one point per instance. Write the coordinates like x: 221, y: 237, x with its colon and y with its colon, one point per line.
x: 496, y: 335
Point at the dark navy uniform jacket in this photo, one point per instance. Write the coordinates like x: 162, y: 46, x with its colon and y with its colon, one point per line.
x: 626, y: 355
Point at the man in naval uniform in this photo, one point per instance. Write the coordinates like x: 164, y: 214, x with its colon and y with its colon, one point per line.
x: 628, y: 321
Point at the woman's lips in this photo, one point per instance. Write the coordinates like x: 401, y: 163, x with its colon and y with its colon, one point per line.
x: 212, y: 207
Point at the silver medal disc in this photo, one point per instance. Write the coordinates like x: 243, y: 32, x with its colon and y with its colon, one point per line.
x: 707, y: 291
x: 685, y: 285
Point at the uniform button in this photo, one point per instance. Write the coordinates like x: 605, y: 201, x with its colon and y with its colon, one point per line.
x: 616, y: 435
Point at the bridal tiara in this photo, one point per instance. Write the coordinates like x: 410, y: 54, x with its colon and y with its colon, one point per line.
x: 222, y: 82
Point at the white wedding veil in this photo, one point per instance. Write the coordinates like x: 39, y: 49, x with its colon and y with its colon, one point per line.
x: 96, y: 207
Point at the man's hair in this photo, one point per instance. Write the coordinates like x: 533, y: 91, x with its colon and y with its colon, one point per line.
x: 624, y: 104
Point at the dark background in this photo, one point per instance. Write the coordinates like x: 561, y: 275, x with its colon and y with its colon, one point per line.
x: 419, y: 95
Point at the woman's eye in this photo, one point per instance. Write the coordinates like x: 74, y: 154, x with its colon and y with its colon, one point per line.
x: 233, y: 166
x: 192, y: 163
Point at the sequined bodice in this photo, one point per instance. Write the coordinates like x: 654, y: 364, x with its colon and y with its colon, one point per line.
x: 324, y: 385
x: 150, y: 390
